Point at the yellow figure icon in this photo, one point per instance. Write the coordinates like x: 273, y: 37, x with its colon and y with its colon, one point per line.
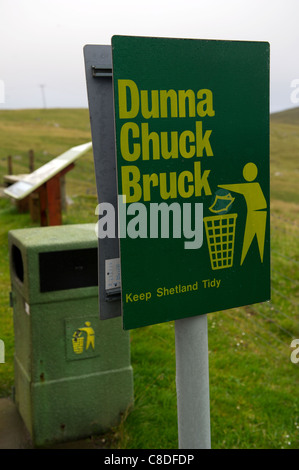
x: 256, y: 205
x: 90, y: 335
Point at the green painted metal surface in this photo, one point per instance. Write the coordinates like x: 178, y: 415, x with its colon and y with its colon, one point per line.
x: 192, y: 128
x: 73, y: 375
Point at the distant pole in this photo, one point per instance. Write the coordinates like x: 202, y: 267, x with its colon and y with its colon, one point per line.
x: 42, y: 87
x: 31, y: 160
x: 9, y: 164
x: 192, y: 382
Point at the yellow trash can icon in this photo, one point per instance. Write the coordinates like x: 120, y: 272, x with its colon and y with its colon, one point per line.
x: 78, y: 342
x: 220, y: 231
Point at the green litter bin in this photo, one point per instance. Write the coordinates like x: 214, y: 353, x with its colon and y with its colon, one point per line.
x: 73, y: 375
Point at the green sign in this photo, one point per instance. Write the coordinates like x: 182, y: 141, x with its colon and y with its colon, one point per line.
x: 192, y: 142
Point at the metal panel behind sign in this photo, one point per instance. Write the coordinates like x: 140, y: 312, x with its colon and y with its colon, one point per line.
x: 98, y: 68
x: 192, y: 134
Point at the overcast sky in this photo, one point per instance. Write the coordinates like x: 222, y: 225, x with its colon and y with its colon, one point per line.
x: 42, y: 41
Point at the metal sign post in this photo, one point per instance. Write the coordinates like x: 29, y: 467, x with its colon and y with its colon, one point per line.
x: 192, y: 382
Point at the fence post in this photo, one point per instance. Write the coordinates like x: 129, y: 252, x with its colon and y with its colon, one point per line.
x: 9, y: 165
x: 31, y: 161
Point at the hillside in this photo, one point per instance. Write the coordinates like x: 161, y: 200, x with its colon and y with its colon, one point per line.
x: 289, y: 116
x: 49, y: 132
x: 284, y: 151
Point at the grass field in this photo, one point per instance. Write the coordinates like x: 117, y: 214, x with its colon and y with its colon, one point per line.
x: 253, y: 383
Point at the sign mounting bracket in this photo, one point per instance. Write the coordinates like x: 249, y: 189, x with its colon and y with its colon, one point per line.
x: 101, y: 71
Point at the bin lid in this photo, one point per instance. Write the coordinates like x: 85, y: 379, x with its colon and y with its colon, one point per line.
x: 68, y: 251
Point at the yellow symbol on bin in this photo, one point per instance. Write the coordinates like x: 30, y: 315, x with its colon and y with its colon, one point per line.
x: 78, y: 342
x: 79, y: 339
x: 220, y: 230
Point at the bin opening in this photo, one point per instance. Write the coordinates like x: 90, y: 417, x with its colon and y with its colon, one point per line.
x: 70, y: 269
x: 17, y: 262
